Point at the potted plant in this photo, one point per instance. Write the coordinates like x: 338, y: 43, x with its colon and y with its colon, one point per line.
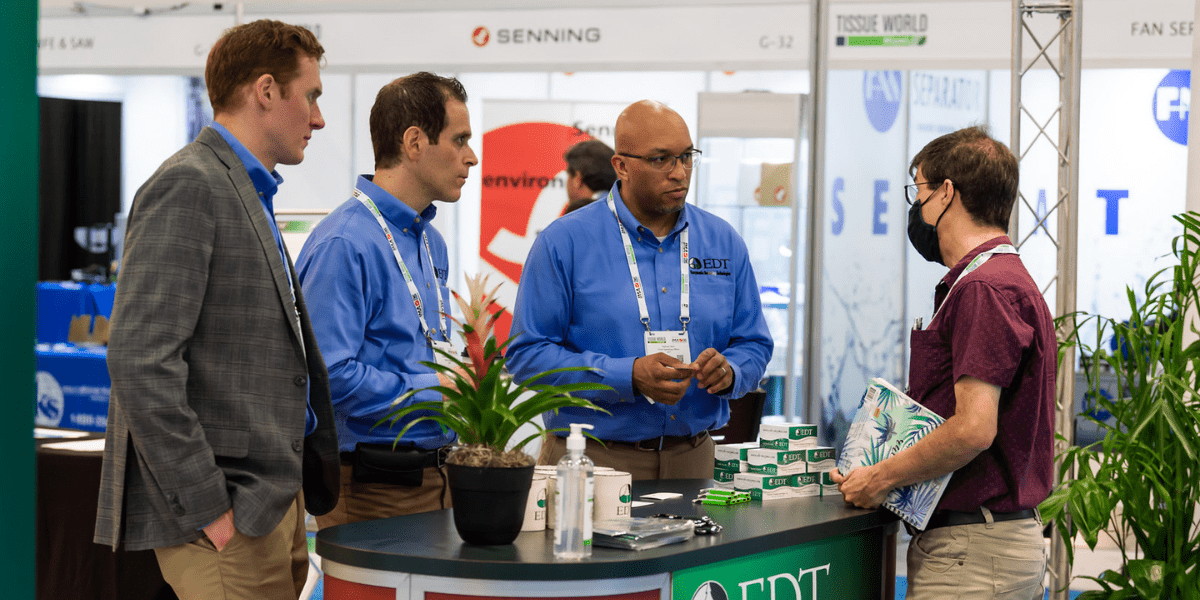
x: 1149, y: 458
x: 489, y: 480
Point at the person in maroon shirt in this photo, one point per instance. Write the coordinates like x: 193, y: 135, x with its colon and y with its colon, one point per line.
x: 987, y: 363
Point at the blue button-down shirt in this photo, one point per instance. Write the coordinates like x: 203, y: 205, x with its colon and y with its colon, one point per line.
x: 266, y: 183
x: 576, y: 307
x: 364, y: 319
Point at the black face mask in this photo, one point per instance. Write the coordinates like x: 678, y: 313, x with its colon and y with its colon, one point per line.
x: 922, y: 235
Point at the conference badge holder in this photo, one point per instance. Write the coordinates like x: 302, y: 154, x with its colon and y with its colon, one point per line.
x: 441, y: 358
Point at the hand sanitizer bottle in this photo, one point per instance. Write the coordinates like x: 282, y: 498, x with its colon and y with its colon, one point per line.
x: 573, y: 500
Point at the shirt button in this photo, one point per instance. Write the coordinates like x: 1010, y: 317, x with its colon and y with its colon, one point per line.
x: 639, y: 239
x: 660, y: 248
x: 405, y: 230
x: 300, y: 380
x: 664, y: 290
x: 297, y: 445
x: 672, y: 417
x: 417, y: 220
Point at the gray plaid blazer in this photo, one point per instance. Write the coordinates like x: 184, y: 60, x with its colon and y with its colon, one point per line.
x: 210, y: 375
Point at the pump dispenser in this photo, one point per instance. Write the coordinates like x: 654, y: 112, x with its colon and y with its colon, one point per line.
x: 573, y: 499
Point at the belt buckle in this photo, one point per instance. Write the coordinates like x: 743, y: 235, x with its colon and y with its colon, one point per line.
x: 650, y: 445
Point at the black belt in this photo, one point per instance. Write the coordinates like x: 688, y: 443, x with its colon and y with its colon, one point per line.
x: 418, y: 457
x: 950, y: 518
x: 663, y: 442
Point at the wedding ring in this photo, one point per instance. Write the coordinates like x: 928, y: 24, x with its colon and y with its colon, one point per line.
x: 724, y: 372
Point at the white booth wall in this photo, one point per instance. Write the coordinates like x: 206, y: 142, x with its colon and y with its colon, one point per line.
x: 1132, y: 179
x: 1132, y: 174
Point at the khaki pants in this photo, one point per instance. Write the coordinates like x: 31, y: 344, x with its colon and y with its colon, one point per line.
x: 999, y: 561
x: 273, y: 567
x: 368, y: 501
x: 681, y: 461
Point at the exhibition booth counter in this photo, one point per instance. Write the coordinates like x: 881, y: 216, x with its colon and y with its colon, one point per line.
x: 813, y: 547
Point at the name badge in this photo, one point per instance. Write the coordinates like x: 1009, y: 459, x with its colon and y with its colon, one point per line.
x: 442, y: 359
x: 671, y: 343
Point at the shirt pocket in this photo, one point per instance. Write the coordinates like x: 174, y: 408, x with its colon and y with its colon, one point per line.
x: 712, y: 305
x: 930, y: 364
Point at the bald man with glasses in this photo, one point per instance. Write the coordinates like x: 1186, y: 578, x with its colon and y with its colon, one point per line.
x: 677, y: 330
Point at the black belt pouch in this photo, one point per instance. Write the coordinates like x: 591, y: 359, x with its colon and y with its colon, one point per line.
x: 379, y: 463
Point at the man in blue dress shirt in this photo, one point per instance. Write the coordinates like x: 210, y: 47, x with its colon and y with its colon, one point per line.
x: 373, y: 330
x: 677, y: 331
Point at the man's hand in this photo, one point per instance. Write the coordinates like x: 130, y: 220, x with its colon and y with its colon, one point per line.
x: 219, y: 532
x: 712, y: 371
x: 661, y: 377
x: 446, y: 380
x: 863, y: 487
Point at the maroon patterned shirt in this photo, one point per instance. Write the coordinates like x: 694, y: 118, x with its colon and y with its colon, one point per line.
x: 996, y: 327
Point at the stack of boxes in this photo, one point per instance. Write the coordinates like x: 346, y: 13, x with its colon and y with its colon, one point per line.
x: 785, y: 463
x: 731, y: 459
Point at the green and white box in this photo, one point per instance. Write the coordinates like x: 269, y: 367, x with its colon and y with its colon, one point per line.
x: 828, y: 487
x: 767, y: 461
x: 732, y: 457
x: 765, y: 487
x: 821, y: 459
x: 724, y: 479
x: 807, y: 484
x: 787, y: 436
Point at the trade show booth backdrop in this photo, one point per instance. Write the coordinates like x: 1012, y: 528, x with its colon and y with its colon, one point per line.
x: 902, y: 74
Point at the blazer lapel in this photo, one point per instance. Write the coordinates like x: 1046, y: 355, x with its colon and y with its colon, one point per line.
x: 258, y: 219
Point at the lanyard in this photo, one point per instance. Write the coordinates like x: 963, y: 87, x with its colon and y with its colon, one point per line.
x: 412, y: 287
x: 974, y: 264
x: 685, y: 314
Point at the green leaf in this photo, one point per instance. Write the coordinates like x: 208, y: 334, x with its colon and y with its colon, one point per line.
x: 1089, y: 508
x: 1055, y: 504
x: 1147, y: 577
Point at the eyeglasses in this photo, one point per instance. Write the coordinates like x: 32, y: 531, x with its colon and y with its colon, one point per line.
x: 911, y: 190
x: 666, y: 162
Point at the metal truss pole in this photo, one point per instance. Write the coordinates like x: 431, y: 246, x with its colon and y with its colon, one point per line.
x: 1067, y: 67
x: 816, y: 216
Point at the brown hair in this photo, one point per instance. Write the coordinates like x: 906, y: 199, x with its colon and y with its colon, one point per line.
x: 983, y: 170
x: 417, y: 100
x: 251, y: 50
x: 593, y: 158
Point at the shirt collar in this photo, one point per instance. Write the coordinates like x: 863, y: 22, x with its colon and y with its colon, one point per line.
x: 952, y: 276
x: 395, y: 211
x: 631, y: 223
x: 266, y: 183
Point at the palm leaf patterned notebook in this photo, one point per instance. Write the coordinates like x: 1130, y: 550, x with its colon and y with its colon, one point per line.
x: 887, y: 422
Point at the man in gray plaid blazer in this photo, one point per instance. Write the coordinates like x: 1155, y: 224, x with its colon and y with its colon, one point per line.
x: 220, y: 409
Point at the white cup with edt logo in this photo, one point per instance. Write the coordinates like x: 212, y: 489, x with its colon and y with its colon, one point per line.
x: 614, y: 495
x: 536, y: 506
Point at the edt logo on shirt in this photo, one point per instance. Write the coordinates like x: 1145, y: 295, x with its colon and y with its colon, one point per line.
x: 709, y: 266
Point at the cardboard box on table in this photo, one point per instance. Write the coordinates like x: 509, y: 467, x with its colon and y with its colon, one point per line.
x: 69, y: 311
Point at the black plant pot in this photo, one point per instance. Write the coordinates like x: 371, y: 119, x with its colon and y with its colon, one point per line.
x: 489, y: 502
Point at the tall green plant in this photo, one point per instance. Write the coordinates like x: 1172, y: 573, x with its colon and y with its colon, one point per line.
x: 482, y: 404
x: 1149, y: 458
